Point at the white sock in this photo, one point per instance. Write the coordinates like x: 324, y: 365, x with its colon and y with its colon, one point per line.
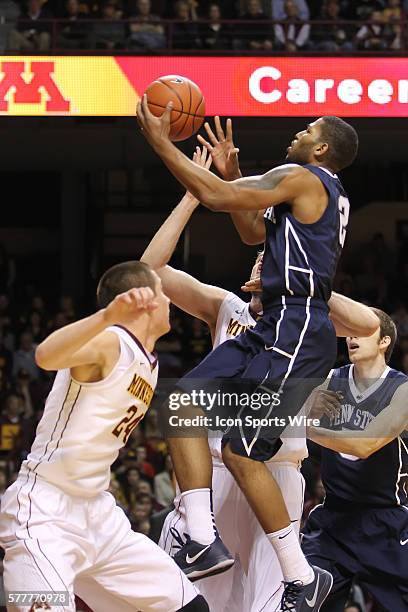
x: 291, y: 558
x: 199, y: 515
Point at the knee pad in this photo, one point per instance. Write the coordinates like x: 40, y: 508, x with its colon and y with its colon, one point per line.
x: 198, y: 604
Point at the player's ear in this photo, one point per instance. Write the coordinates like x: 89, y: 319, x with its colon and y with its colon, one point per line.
x: 321, y: 149
x: 385, y: 342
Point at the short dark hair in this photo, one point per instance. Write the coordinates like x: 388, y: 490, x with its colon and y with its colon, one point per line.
x: 121, y: 278
x: 342, y: 140
x: 387, y: 328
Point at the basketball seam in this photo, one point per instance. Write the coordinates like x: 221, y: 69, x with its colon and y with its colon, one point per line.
x: 172, y: 90
x: 188, y: 113
x: 195, y: 113
x: 182, y: 112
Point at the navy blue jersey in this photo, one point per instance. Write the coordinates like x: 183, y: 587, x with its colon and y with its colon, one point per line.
x: 300, y: 259
x: 379, y: 479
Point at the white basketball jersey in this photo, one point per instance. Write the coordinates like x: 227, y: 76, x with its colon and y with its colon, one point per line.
x: 234, y: 317
x: 84, y: 425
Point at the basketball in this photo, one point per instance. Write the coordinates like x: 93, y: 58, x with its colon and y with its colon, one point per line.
x: 188, y: 111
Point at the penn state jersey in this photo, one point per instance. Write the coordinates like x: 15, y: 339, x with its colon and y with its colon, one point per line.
x: 84, y: 425
x: 300, y: 259
x: 234, y: 318
x: 379, y: 479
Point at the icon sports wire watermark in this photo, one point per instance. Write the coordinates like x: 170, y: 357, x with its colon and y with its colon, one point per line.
x: 198, y: 407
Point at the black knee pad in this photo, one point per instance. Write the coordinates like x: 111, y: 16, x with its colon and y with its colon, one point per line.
x: 198, y: 604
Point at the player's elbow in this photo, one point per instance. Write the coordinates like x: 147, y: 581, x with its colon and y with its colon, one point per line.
x: 42, y: 358
x: 364, y: 450
x: 371, y: 324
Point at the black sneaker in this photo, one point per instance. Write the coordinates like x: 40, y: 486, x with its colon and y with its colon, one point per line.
x: 298, y: 597
x: 201, y: 560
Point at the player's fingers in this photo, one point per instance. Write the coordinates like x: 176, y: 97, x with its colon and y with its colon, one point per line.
x: 152, y: 305
x: 228, y: 130
x: 212, y: 137
x: 205, y: 143
x: 208, y: 163
x: 234, y: 151
x: 203, y: 156
x: 167, y: 113
x: 218, y: 128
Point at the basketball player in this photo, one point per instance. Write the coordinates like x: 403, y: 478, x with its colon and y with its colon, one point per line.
x: 227, y: 316
x: 60, y: 528
x: 306, y: 212
x: 361, y: 529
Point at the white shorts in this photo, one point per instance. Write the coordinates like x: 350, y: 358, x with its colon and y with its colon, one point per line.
x: 56, y: 542
x: 254, y: 584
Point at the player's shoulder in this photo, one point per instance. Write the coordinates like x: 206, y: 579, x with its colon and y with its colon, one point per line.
x: 397, y: 376
x: 233, y: 304
x: 341, y: 372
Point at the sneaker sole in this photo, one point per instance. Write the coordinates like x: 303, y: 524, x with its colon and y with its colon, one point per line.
x: 221, y: 567
x: 326, y: 588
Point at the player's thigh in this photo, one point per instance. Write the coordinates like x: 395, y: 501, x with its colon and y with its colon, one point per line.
x: 137, y: 574
x: 42, y: 567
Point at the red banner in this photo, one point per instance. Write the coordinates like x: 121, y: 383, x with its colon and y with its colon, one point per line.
x: 232, y: 86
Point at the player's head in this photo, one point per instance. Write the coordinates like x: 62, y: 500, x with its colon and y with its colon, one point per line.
x: 328, y: 141
x: 132, y: 275
x: 379, y: 344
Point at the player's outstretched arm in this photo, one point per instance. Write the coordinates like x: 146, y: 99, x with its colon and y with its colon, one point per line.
x: 287, y: 183
x: 186, y: 292
x: 248, y: 223
x: 163, y: 244
x: 387, y: 426
x: 85, y: 342
x: 351, y: 318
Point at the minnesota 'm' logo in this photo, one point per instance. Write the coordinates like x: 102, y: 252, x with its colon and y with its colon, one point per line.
x: 22, y: 90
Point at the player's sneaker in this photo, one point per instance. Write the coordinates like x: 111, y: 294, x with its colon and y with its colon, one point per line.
x: 201, y: 560
x: 298, y: 597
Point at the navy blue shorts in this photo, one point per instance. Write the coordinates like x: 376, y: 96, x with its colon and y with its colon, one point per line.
x: 292, y: 348
x: 370, y: 545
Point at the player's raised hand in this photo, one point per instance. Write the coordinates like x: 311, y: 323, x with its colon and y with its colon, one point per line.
x: 128, y: 306
x: 223, y: 151
x: 325, y: 402
x: 152, y: 127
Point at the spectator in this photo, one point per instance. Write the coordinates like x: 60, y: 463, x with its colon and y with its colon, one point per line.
x: 73, y: 35
x: 9, y: 13
x: 22, y: 388
x: 132, y: 479
x: 400, y: 318
x: 332, y: 38
x: 145, y: 468
x: 33, y: 30
x: 363, y: 9
x: 144, y: 488
x: 215, y: 35
x: 256, y: 36
x: 294, y: 33
x: 35, y: 324
x: 24, y: 357
x: 108, y: 33
x: 163, y: 484
x: 198, y: 343
x: 6, y: 360
x: 278, y: 10
x: 185, y: 32
x: 392, y: 16
x: 143, y: 527
x: 116, y: 490
x: 145, y: 28
x: 10, y: 425
x: 374, y: 36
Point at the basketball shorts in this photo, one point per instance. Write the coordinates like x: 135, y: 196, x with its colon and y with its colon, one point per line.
x: 368, y: 544
x: 289, y: 352
x: 55, y: 542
